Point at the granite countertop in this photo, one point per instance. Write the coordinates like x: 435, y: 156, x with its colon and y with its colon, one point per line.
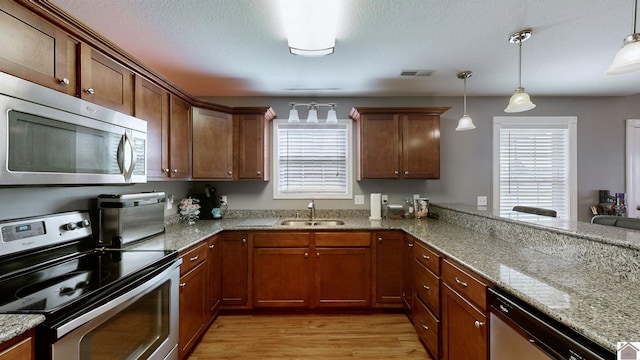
x: 595, y: 304
x: 13, y: 325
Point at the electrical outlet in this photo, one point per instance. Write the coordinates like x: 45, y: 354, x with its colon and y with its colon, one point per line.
x: 482, y: 201
x: 359, y: 199
x: 385, y: 198
x: 223, y: 199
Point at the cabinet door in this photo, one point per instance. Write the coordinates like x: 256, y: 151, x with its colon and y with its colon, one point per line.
x: 179, y: 164
x: 212, y: 145
x: 193, y: 305
x: 105, y: 82
x: 380, y: 146
x: 407, y: 273
x: 235, y: 261
x: 251, y: 150
x: 464, y: 329
x: 214, y: 285
x: 388, y: 247
x: 420, y: 146
x: 343, y: 277
x: 152, y: 105
x: 36, y: 51
x: 281, y: 277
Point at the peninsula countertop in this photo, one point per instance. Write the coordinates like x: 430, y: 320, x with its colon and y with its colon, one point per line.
x: 598, y: 305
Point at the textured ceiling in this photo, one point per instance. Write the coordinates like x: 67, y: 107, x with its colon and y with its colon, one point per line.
x: 238, y: 47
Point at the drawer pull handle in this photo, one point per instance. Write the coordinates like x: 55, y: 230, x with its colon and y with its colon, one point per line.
x: 410, y: 245
x: 212, y: 246
x: 424, y: 326
x: 90, y: 91
x: 478, y: 324
x: 194, y: 258
x: 426, y: 257
x: 380, y: 239
x: 182, y: 285
x: 424, y: 286
x: 460, y: 282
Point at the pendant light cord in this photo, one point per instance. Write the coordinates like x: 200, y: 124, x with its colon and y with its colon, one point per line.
x: 465, y: 96
x: 635, y: 11
x: 520, y: 62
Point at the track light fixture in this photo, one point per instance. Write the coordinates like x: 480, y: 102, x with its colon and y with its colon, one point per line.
x: 312, y: 117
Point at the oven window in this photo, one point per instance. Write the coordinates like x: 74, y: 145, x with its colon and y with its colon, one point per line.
x: 134, y: 333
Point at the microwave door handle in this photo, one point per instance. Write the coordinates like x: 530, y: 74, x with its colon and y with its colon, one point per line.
x: 125, y: 143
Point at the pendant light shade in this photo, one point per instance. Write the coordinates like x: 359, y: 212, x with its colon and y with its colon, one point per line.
x: 627, y: 59
x: 465, y: 122
x: 520, y: 101
x: 313, y: 115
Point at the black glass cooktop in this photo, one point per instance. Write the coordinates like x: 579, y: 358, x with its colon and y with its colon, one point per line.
x: 47, y: 286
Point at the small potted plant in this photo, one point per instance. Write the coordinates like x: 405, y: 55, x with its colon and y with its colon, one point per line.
x: 189, y: 209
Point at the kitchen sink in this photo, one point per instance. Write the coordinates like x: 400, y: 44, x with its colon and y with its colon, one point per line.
x: 319, y: 222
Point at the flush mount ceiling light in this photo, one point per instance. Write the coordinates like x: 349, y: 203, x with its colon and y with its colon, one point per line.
x: 627, y: 59
x: 520, y: 100
x: 465, y: 122
x: 310, y: 26
x: 312, y: 117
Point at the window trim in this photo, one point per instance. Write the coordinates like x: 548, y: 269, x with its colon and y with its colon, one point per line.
x: 349, y: 166
x: 568, y: 122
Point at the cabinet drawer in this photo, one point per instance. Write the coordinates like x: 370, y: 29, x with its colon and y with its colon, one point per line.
x: 281, y: 239
x: 427, y: 257
x: 192, y: 257
x: 427, y: 287
x: 462, y: 281
x: 343, y: 239
x: 428, y: 328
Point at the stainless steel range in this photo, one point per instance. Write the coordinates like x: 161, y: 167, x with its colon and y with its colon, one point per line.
x: 98, y: 302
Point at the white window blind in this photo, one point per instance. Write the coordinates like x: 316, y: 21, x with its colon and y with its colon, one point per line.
x: 535, y: 164
x: 313, y: 160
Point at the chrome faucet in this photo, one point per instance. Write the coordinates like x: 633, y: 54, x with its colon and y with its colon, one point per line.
x: 312, y: 207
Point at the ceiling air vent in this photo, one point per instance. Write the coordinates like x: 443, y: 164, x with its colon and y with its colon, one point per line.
x: 416, y: 72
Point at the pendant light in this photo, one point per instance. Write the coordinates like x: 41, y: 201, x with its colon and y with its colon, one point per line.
x: 465, y: 122
x: 627, y: 59
x: 312, y: 118
x: 332, y: 115
x: 520, y: 100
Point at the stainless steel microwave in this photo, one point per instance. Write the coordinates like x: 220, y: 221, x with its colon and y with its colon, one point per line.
x: 53, y: 138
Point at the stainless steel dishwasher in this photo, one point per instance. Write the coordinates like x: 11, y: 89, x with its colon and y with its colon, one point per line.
x: 517, y: 331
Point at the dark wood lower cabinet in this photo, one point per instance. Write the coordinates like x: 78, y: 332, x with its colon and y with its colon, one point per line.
x: 235, y: 267
x: 281, y: 277
x: 193, y: 302
x: 343, y: 277
x: 464, y: 328
x: 388, y: 272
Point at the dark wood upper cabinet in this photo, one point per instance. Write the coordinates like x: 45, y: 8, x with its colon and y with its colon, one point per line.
x: 152, y: 105
x: 212, y: 145
x: 398, y: 143
x: 178, y: 165
x: 251, y: 139
x: 36, y: 51
x: 105, y: 82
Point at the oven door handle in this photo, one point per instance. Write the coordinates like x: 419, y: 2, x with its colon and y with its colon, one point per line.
x: 126, y: 298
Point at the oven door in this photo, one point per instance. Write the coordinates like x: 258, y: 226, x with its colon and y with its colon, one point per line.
x: 140, y: 324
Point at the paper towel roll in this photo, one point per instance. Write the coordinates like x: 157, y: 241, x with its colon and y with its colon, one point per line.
x: 375, y: 206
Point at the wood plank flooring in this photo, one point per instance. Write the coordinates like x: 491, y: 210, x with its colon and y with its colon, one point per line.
x: 310, y: 336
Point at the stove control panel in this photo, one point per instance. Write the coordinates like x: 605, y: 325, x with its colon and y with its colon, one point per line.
x: 35, y: 232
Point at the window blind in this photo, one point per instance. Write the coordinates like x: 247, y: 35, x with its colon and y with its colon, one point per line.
x: 312, y: 160
x: 535, y: 168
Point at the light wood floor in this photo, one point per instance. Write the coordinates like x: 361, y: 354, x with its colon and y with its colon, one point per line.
x: 310, y: 336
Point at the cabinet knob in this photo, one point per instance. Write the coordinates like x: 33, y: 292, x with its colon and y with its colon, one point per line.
x: 306, y: 255
x: 478, y: 324
x: 244, y: 240
x: 317, y: 254
x: 90, y: 91
x: 460, y: 282
x: 212, y: 246
x: 259, y: 173
x: 396, y: 172
x: 406, y: 172
x: 166, y: 170
x: 175, y: 171
x: 380, y: 239
x: 182, y: 285
x: 229, y: 173
x: 64, y: 81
